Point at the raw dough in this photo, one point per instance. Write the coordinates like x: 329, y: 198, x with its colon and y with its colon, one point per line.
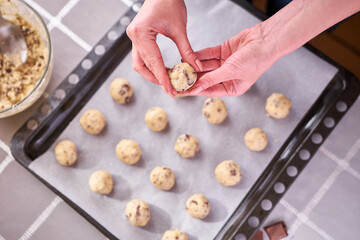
x: 214, y: 110
x: 93, y: 121
x: 182, y: 76
x: 256, y: 139
x: 128, y: 151
x: 162, y: 178
x: 65, y: 153
x: 278, y: 106
x: 101, y: 182
x: 228, y: 173
x: 138, y: 212
x: 174, y: 234
x: 198, y: 206
x: 121, y: 90
x: 156, y: 119
x: 187, y: 145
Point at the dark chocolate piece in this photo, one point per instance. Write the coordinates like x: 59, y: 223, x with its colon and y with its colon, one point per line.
x: 276, y: 231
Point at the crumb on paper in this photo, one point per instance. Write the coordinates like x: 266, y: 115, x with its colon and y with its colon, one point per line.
x: 17, y: 82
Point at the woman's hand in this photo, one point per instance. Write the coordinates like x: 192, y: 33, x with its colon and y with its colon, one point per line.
x: 169, y: 18
x: 234, y: 66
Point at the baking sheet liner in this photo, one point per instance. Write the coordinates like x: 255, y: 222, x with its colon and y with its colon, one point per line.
x: 301, y: 75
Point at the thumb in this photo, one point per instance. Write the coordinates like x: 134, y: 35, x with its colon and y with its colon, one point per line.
x: 186, y: 52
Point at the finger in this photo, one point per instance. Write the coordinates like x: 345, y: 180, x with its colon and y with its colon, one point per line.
x: 209, y: 53
x: 210, y: 65
x: 139, y: 66
x: 151, y: 55
x: 230, y: 88
x: 219, y: 75
x: 186, y: 52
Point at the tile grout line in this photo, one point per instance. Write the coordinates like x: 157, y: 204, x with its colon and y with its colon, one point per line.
x: 341, y: 162
x: 5, y: 163
x: 6, y: 148
x: 128, y: 3
x: 41, y: 218
x: 62, y: 13
x: 305, y: 219
x: 327, y: 185
x: 60, y: 26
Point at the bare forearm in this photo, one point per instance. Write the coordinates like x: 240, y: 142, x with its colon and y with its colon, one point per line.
x: 301, y: 20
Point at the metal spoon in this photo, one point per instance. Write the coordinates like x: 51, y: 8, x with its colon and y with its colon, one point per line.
x: 12, y: 42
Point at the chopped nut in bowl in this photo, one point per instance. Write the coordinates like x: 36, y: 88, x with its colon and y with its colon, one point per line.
x: 21, y: 86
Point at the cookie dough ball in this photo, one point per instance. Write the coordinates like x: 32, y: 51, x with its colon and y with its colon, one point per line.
x: 214, y: 110
x: 187, y: 145
x: 174, y: 234
x: 138, y: 212
x: 162, y: 178
x: 156, y: 119
x: 121, y: 90
x: 198, y: 206
x: 101, y: 182
x: 93, y: 121
x: 278, y: 106
x: 128, y: 151
x: 228, y: 173
x: 65, y: 153
x: 182, y: 76
x: 256, y: 139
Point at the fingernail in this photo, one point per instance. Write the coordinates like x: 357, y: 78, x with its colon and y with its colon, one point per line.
x: 199, y: 65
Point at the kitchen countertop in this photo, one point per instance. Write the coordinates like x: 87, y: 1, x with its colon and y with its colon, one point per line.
x: 323, y: 203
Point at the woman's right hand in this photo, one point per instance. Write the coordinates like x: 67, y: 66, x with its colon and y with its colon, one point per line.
x: 234, y: 66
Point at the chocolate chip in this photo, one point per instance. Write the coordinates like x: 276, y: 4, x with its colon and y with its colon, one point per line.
x: 8, y: 70
x: 127, y: 99
x: 187, y: 136
x: 233, y: 172
x: 17, y: 90
x: 206, y: 114
x: 219, y: 110
x: 212, y: 99
x: 195, y: 202
x: 122, y: 92
x: 125, y: 87
x: 138, y: 211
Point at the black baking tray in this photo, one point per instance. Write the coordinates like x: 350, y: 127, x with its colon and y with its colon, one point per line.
x: 42, y: 129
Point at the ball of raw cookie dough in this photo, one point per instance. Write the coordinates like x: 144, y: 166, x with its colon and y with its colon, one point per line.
x: 278, y: 106
x: 138, y: 212
x: 121, y: 90
x: 101, y: 182
x: 93, y: 121
x: 187, y: 145
x: 174, y: 234
x: 256, y: 139
x: 198, y: 206
x: 228, y: 173
x: 214, y: 110
x: 182, y: 76
x: 162, y: 178
x: 156, y: 119
x: 65, y: 153
x: 128, y: 151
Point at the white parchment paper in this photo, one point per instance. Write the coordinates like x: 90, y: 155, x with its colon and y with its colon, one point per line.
x: 301, y: 76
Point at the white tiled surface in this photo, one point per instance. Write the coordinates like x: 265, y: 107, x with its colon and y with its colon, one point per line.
x: 324, y: 202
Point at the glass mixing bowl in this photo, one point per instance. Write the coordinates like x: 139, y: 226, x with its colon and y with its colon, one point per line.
x: 9, y: 8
